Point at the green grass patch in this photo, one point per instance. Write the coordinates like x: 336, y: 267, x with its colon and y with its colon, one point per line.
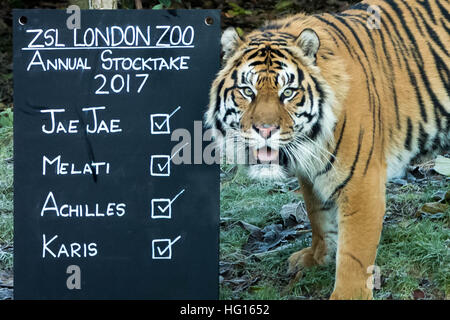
x: 6, y: 189
x: 413, y: 252
x: 6, y: 241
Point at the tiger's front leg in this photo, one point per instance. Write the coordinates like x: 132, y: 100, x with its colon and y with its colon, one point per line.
x: 324, y: 233
x: 361, y: 210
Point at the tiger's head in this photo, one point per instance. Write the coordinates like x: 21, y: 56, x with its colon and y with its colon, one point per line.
x: 270, y: 104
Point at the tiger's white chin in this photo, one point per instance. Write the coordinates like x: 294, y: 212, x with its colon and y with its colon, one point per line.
x: 267, y: 172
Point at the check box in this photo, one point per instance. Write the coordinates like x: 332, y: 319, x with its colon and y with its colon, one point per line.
x: 162, y: 248
x: 162, y: 208
x: 159, y: 123
x: 160, y: 166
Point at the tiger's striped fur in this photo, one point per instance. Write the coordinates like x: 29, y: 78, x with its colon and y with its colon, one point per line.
x: 362, y: 104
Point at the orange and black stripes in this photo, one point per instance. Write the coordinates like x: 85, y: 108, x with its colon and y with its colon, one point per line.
x: 350, y: 106
x: 398, y: 87
x: 351, y: 171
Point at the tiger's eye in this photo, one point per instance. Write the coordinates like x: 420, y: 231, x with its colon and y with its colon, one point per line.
x: 288, y: 93
x: 248, y: 92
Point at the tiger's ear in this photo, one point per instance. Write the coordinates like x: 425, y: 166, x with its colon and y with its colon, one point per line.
x: 230, y: 42
x: 309, y: 42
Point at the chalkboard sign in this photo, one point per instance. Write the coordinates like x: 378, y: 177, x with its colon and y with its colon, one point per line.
x: 113, y: 199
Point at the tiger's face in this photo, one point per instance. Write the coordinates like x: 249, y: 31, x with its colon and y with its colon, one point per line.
x: 269, y: 102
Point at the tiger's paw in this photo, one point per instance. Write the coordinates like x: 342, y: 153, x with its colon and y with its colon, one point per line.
x: 352, y: 294
x: 300, y: 260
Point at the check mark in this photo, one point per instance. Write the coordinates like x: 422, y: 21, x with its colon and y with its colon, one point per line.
x: 162, y: 168
x: 160, y: 164
x: 162, y: 248
x: 165, y: 208
x: 160, y: 122
x: 171, y: 201
x: 162, y: 208
x: 161, y: 252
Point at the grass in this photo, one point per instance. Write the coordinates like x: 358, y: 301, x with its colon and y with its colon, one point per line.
x: 6, y: 190
x: 413, y: 252
x: 414, y: 255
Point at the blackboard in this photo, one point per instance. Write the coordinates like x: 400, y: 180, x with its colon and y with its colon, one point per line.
x: 102, y: 209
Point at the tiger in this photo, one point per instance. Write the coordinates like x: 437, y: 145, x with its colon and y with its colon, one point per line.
x: 344, y: 102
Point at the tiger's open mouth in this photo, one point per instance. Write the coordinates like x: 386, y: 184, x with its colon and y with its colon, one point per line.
x: 267, y: 163
x: 266, y: 155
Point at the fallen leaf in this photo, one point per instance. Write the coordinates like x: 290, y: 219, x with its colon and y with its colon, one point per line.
x: 271, y: 236
x: 293, y: 214
x: 281, y: 248
x: 433, y: 208
x: 249, y: 227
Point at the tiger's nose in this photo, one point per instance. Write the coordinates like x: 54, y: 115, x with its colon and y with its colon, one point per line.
x: 266, y: 130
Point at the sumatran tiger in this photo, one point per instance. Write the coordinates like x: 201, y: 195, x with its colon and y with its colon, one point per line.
x: 344, y: 102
